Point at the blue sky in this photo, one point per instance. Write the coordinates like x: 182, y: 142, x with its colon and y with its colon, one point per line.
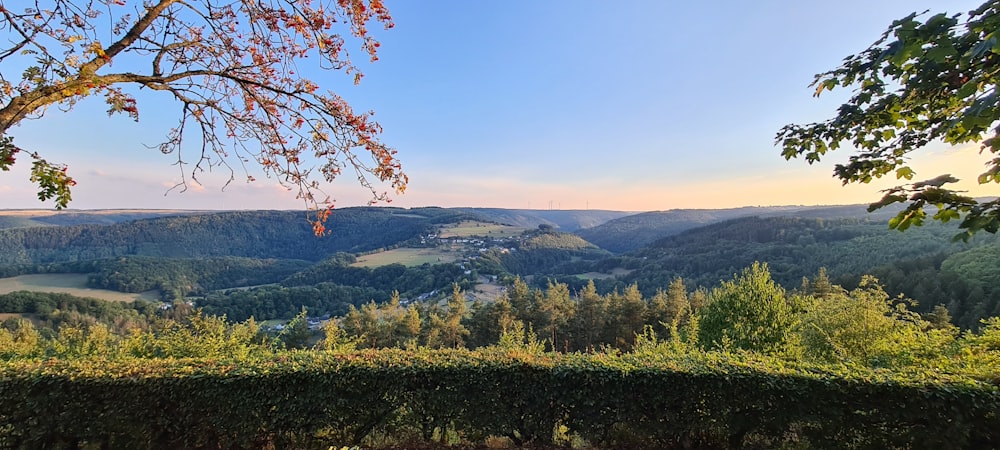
x: 634, y: 105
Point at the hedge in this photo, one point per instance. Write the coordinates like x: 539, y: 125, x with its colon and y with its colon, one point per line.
x: 392, y: 397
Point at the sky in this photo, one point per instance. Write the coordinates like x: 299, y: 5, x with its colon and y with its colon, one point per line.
x: 557, y: 104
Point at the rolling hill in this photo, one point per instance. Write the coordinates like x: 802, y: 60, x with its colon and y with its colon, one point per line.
x: 628, y: 233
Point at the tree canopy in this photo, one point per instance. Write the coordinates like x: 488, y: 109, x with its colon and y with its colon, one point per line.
x: 233, y: 68
x: 926, y: 79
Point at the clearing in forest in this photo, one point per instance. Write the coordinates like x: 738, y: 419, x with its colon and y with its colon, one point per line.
x: 469, y: 228
x: 69, y: 283
x: 407, y: 257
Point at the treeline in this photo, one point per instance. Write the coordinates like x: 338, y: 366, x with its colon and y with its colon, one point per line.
x: 53, y: 311
x: 176, y: 278
x: 279, y: 302
x: 818, y: 321
x: 409, y: 281
x: 332, y: 287
x: 750, y: 312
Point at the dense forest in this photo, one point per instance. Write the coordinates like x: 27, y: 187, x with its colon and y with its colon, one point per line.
x: 742, y: 365
x: 910, y: 264
x: 633, y: 232
x: 252, y: 234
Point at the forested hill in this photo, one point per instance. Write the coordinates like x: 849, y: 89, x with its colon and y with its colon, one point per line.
x: 564, y: 220
x: 633, y: 232
x: 43, y: 218
x: 793, y: 247
x: 921, y: 263
x: 255, y: 234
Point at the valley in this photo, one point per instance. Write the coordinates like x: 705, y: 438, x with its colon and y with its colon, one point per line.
x: 211, y: 257
x: 817, y: 300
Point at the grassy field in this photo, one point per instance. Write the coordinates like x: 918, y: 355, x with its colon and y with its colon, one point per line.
x: 68, y: 283
x: 602, y: 275
x: 470, y: 228
x: 486, y: 290
x: 5, y: 316
x: 407, y: 257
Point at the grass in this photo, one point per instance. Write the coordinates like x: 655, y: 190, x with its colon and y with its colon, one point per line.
x: 407, y: 257
x: 68, y: 283
x: 601, y: 275
x: 5, y: 316
x: 469, y: 228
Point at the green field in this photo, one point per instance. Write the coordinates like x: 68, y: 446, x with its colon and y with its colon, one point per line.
x: 407, y: 257
x: 602, y: 275
x: 470, y: 228
x: 68, y: 283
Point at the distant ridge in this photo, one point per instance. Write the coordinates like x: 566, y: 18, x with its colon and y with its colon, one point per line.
x: 565, y: 220
x: 20, y: 218
x: 796, y: 247
x: 633, y: 232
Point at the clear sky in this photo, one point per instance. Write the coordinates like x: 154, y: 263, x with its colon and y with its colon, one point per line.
x: 564, y: 104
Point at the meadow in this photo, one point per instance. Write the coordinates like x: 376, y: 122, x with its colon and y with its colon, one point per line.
x: 69, y: 283
x: 469, y: 228
x: 407, y: 257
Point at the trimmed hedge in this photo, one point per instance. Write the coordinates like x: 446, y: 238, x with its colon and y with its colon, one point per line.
x: 317, y: 400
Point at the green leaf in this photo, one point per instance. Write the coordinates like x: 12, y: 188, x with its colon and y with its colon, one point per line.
x: 982, y: 47
x: 941, y: 53
x: 944, y: 215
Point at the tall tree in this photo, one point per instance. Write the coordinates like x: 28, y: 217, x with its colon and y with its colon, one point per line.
x: 363, y: 324
x: 553, y: 314
x: 232, y: 68
x: 489, y: 321
x: 627, y: 316
x: 522, y: 298
x: 926, y: 79
x: 939, y: 317
x: 748, y: 312
x: 448, y: 331
x: 821, y: 287
x: 591, y: 318
x: 456, y: 333
x: 677, y: 300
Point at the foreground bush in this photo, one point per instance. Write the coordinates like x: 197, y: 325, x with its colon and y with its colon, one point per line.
x: 318, y: 399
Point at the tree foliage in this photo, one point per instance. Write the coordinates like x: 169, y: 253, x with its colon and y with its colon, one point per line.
x: 233, y: 69
x: 749, y: 312
x: 857, y: 326
x: 926, y: 79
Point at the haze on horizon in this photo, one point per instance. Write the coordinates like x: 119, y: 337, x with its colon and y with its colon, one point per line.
x: 639, y: 106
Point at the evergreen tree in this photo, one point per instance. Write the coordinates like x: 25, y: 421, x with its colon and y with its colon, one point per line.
x: 553, y: 314
x: 939, y: 317
x: 590, y: 322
